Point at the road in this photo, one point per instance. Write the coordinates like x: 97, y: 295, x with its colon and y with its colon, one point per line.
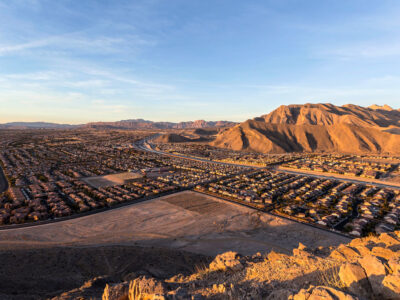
x: 145, y: 146
x: 3, y: 181
x: 381, y: 185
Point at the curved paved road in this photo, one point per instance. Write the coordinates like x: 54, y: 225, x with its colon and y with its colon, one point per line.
x: 142, y: 146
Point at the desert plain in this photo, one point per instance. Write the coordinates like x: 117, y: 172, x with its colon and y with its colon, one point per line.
x: 187, y: 221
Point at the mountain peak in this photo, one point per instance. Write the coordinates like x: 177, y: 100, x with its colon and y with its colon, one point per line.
x: 380, y: 107
x: 317, y: 127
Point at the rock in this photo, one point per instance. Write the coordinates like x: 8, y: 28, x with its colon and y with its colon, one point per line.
x: 383, y: 252
x: 394, y: 265
x: 179, y: 294
x: 375, y: 270
x: 302, y: 246
x: 274, y: 256
x: 227, y: 260
x: 322, y: 293
x: 391, y: 287
x: 389, y: 239
x: 363, y: 250
x: 303, y: 294
x: 345, y: 253
x: 302, y: 251
x: 279, y: 295
x: 354, y: 278
x: 219, y: 288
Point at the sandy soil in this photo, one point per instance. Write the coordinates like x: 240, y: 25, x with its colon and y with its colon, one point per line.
x: 112, y: 179
x: 186, y: 221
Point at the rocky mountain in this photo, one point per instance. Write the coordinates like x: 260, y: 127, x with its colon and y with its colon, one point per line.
x: 317, y: 127
x: 124, y: 124
x: 144, y: 124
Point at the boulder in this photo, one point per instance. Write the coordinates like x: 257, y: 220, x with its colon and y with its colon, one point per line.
x: 354, y: 278
x: 302, y: 251
x: 383, y: 252
x: 228, y: 260
x: 394, y: 265
x: 391, y: 287
x: 363, y: 250
x: 322, y: 293
x: 390, y: 239
x: 303, y: 294
x: 275, y: 257
x: 345, y: 253
x: 375, y: 270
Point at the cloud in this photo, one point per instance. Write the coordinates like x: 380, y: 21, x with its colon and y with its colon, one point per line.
x: 374, y: 50
x: 80, y: 43
x: 7, y: 49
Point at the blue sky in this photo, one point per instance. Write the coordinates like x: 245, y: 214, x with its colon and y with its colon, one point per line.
x: 176, y: 60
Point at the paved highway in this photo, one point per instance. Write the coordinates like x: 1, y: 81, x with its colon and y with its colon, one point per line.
x: 145, y: 146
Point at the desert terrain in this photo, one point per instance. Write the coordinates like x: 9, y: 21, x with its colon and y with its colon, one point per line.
x: 161, y: 237
x: 186, y: 221
x: 317, y: 127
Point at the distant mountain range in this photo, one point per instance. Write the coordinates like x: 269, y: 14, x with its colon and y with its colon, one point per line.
x: 144, y: 124
x: 36, y: 125
x: 124, y: 124
x: 317, y: 127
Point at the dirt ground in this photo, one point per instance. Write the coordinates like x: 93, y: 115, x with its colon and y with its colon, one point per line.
x: 187, y: 221
x: 161, y: 237
x: 112, y: 179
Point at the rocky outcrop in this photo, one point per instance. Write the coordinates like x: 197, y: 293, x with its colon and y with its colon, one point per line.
x: 355, y: 280
x: 322, y: 292
x: 226, y: 261
x: 365, y: 269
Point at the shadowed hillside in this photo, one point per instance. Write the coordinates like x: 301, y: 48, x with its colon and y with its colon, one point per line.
x: 367, y: 268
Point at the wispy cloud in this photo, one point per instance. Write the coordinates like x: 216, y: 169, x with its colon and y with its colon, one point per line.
x: 102, y: 44
x: 363, y: 50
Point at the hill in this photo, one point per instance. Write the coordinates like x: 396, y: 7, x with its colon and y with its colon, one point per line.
x: 367, y: 268
x: 317, y: 127
x: 177, y: 138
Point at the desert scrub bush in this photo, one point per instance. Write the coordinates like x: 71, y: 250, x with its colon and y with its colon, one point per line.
x: 330, y: 277
x: 106, y: 293
x: 201, y: 270
x: 135, y: 292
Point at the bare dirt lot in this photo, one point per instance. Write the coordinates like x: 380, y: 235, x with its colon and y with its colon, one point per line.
x: 186, y: 221
x: 112, y: 179
x: 161, y: 237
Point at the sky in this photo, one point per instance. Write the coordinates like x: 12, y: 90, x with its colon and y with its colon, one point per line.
x: 74, y: 62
